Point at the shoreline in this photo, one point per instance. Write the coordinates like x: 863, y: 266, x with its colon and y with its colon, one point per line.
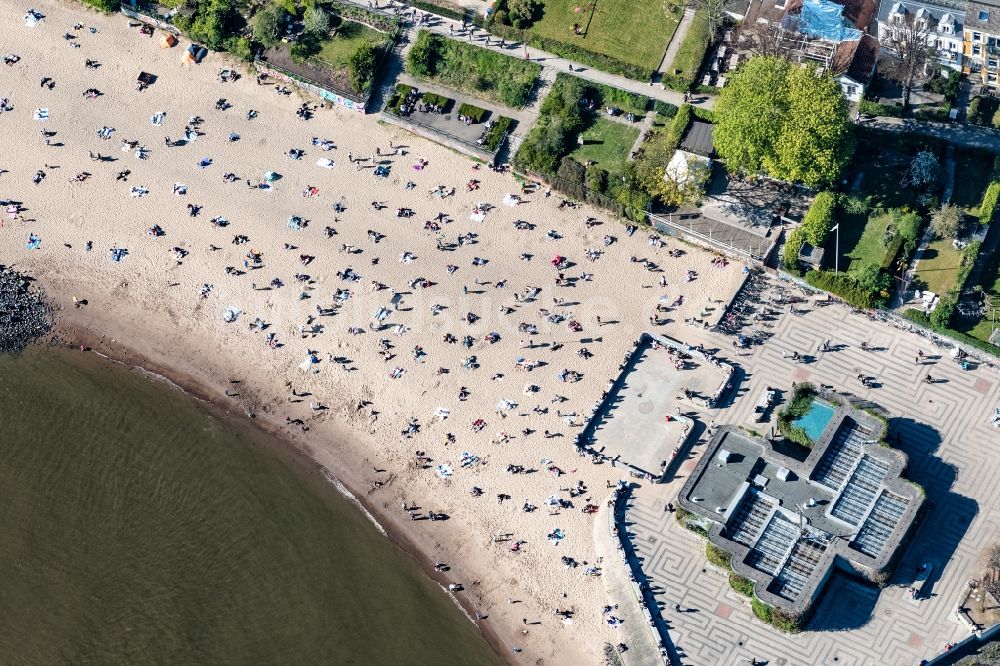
x: 281, y: 444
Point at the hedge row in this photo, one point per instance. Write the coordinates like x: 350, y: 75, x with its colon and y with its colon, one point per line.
x: 814, y: 228
x: 920, y: 317
x: 492, y: 139
x: 471, y: 111
x: 869, y: 108
x: 988, y: 208
x: 846, y: 287
x: 434, y: 8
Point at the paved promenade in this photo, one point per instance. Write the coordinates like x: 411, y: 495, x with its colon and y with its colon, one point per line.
x: 952, y: 452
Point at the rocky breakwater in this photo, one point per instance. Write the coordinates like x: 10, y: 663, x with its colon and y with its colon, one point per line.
x: 24, y: 314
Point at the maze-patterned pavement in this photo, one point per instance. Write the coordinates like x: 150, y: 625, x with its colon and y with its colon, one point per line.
x: 952, y: 452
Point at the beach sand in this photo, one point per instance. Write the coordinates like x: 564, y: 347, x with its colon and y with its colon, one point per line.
x: 147, y: 309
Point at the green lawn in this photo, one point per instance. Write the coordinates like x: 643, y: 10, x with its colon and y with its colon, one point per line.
x: 349, y: 38
x: 937, y: 267
x: 635, y: 32
x: 607, y: 144
x: 858, y: 251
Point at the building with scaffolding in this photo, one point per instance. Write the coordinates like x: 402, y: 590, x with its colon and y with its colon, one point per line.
x: 831, y: 35
x: 790, y: 522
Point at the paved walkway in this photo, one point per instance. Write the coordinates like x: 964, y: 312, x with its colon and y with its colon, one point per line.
x: 675, y: 42
x: 479, y: 37
x: 951, y: 448
x: 969, y: 136
x: 634, y: 630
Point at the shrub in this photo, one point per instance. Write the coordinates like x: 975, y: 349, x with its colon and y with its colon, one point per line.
x: 802, y: 399
x: 988, y: 207
x: 945, y: 85
x: 761, y: 610
x: 597, y: 179
x: 937, y: 114
x: 972, y: 112
x: 665, y: 109
x: 848, y: 288
x: 361, y: 67
x: 720, y: 557
x: 398, y: 97
x: 868, y: 107
x: 941, y: 316
x: 239, y: 47
x: 470, y: 111
x: 793, y: 245
x: 267, y: 26
x: 679, y: 124
x: 742, y: 585
x: 472, y: 69
x: 435, y: 100
x: 316, y: 20
x: 491, y: 140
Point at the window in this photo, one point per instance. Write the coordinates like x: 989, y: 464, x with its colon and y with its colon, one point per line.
x: 976, y: 37
x: 852, y: 90
x: 984, y: 15
x: 976, y: 49
x: 992, y: 63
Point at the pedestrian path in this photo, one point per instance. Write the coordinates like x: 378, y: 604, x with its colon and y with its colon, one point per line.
x: 455, y: 30
x: 675, y: 43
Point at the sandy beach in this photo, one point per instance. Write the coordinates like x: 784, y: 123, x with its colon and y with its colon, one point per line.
x: 328, y: 384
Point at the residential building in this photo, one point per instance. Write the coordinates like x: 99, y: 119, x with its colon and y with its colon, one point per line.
x: 829, y: 33
x: 941, y: 20
x: 981, y: 37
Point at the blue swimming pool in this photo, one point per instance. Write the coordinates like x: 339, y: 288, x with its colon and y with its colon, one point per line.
x: 814, y: 421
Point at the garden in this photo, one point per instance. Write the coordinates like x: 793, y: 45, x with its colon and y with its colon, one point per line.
x: 318, y: 42
x: 602, y: 170
x: 472, y: 70
x: 616, y: 36
x: 606, y: 144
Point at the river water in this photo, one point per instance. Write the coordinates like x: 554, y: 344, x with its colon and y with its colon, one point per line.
x: 136, y: 528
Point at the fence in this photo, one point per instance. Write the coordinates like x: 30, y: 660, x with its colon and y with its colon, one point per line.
x: 755, y: 248
x: 353, y: 103
x: 443, y: 137
x: 139, y: 12
x: 576, y: 190
x: 936, y: 338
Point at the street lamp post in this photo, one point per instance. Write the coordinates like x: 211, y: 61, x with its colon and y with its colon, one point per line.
x: 836, y: 251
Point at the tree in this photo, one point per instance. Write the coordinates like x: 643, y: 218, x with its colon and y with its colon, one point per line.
x: 945, y: 221
x: 771, y: 38
x: 816, y: 140
x: 924, y: 170
x: 316, y: 21
x: 361, y: 66
x: 267, y: 26
x: 750, y: 111
x: 787, y: 121
x: 907, y: 51
x: 522, y: 13
x: 685, y: 186
x: 715, y: 14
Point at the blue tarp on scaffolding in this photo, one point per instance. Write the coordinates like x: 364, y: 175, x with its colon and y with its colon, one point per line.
x: 825, y: 19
